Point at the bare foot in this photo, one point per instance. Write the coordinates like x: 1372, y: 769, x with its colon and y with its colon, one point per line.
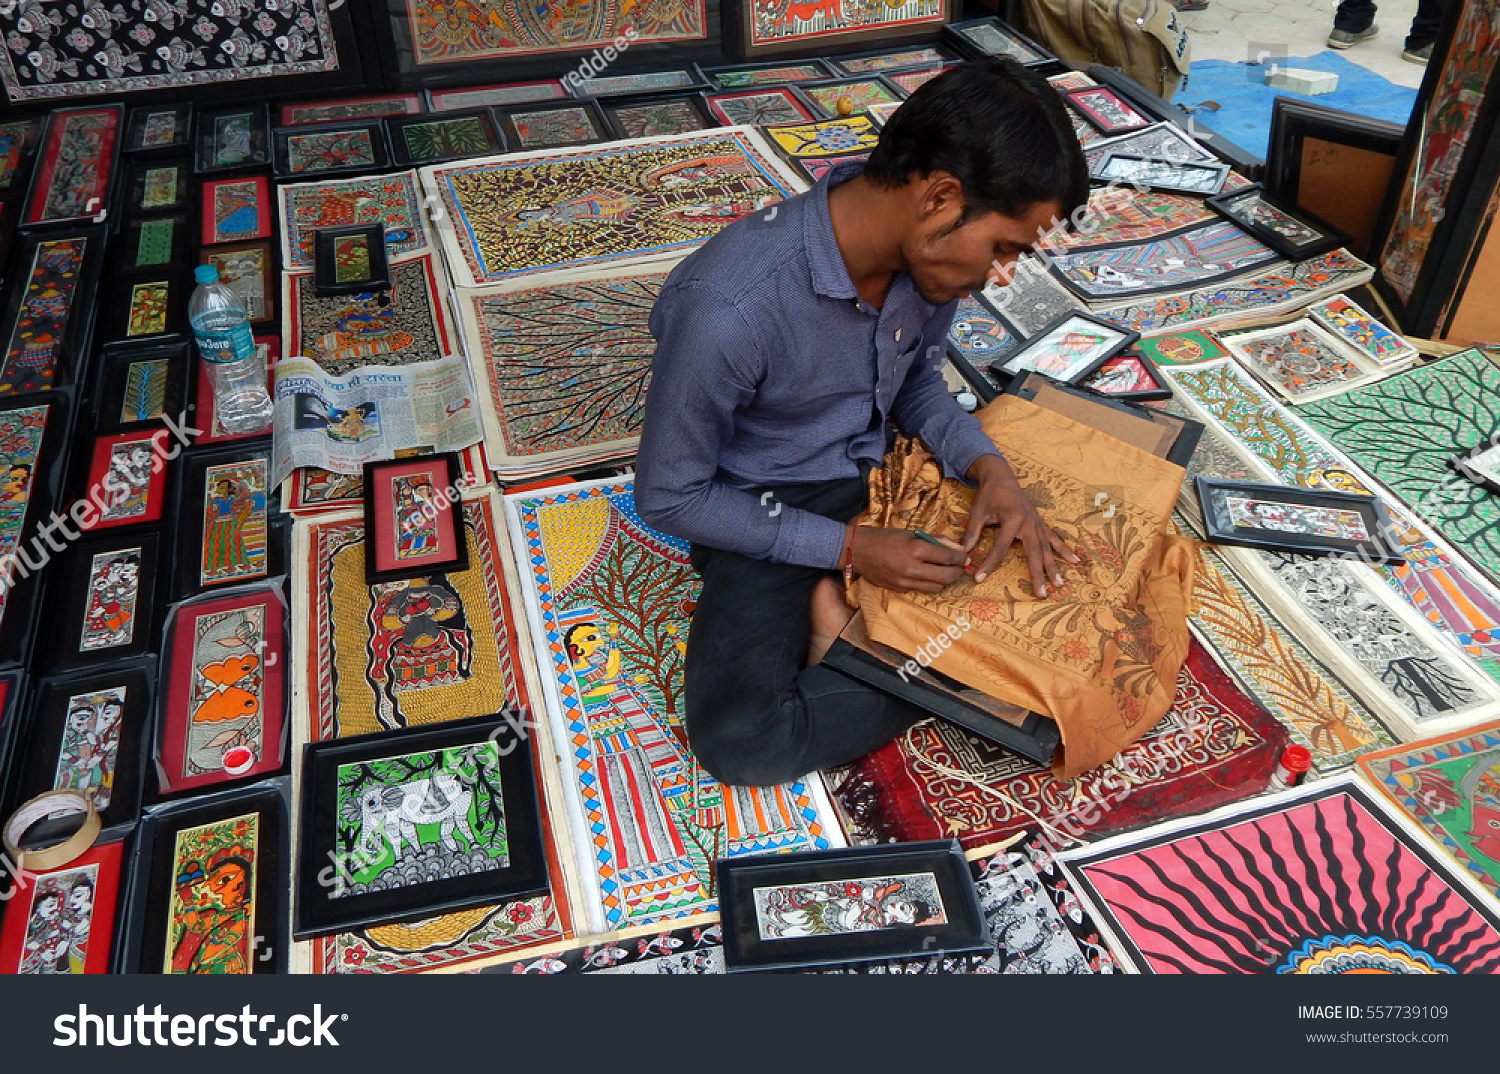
x: 830, y: 613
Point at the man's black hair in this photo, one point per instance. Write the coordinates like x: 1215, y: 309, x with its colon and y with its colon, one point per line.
x: 996, y: 127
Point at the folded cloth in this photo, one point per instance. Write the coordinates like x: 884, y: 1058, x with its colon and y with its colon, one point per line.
x: 1101, y: 653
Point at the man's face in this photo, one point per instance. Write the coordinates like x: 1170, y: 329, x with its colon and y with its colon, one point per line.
x: 947, y: 262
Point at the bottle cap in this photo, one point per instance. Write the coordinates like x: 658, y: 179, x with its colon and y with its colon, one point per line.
x: 206, y: 274
x: 967, y: 401
x: 1296, y: 759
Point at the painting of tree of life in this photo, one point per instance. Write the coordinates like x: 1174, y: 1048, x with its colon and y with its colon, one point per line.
x: 418, y: 818
x: 612, y: 631
x: 211, y: 910
x: 626, y: 201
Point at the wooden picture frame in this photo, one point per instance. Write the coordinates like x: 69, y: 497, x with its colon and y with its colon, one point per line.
x: 1153, y: 430
x: 412, y: 520
x: 884, y: 61
x: 553, y: 125
x: 350, y: 260
x: 1105, y: 110
x: 248, y: 269
x: 35, y: 434
x: 900, y: 900
x: 156, y: 129
x: 451, y: 135
x: 148, y: 305
x: 18, y: 139
x: 1229, y: 507
x: 1197, y: 178
x: 749, y: 39
x: 355, y: 815
x: 101, y: 872
x: 106, y: 597
x: 232, y: 139
x: 223, y: 690
x: 227, y: 533
x: 75, y: 167
x: 139, y: 386
x: 236, y: 210
x: 1285, y: 229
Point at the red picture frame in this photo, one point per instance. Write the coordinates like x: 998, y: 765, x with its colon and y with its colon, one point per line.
x: 93, y: 202
x: 211, y: 682
x: 1080, y: 100
x: 412, y: 524
x: 239, y: 222
x: 808, y: 112
x: 128, y: 455
x: 204, y: 411
x: 106, y: 859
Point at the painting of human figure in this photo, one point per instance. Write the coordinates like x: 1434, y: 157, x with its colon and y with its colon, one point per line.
x: 211, y: 909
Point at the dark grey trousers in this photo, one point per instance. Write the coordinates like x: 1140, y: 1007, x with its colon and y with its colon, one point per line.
x: 1354, y: 16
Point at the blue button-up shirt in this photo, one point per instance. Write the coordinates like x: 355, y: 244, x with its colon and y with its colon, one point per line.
x: 770, y: 370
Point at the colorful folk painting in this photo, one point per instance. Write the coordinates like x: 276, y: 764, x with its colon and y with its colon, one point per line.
x: 397, y: 326
x: 1451, y: 788
x: 247, y: 271
x: 911, y: 81
x: 790, y: 911
x: 611, y: 602
x: 645, y: 82
x: 76, y: 162
x: 1402, y: 430
x: 91, y: 745
x: 21, y: 431
x: 145, y: 392
x: 294, y: 115
x: 1122, y: 375
x: 1254, y: 209
x: 392, y: 200
x: 1309, y: 882
x: 137, y: 46
x: 663, y: 117
x: 228, y: 690
x: 1189, y: 258
x: 420, y: 817
x: 234, y: 523
x: 1446, y: 123
x: 545, y: 127
x: 979, y: 334
x: 758, y: 108
x: 1031, y: 300
x: 817, y: 167
x: 147, y: 313
x: 127, y: 480
x: 1358, y: 328
x: 114, y: 588
x: 60, y: 920
x: 1122, y: 214
x: 891, y: 61
x: 321, y: 151
x: 1106, y: 110
x: 1298, y: 361
x: 1182, y: 348
x: 154, y: 242
x: 414, y: 516
x: 210, y: 913
x: 234, y: 138
x: 462, y: 136
x: 808, y: 24
x: 351, y: 259
x: 159, y: 129
x: 1166, y: 141
x: 826, y: 137
x: 566, y: 365
x: 1334, y: 523
x: 477, y: 30
x: 990, y: 37
x: 236, y: 210
x: 859, y: 95
x: 35, y: 348
x: 159, y: 187
x: 14, y: 139
x: 519, y: 215
x: 1064, y: 352
x: 764, y: 76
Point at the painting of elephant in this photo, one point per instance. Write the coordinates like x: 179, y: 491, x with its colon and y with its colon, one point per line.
x: 391, y: 814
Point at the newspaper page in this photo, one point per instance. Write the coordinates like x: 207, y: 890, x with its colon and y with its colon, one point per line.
x: 370, y: 413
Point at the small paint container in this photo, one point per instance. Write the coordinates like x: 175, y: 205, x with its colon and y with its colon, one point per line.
x: 238, y: 760
x: 1292, y: 769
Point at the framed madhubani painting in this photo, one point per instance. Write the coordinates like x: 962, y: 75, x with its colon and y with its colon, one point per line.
x: 1353, y: 325
x: 649, y: 116
x: 883, y: 63
x: 140, y: 386
x: 330, y: 149
x: 1106, y: 110
x: 153, y: 242
x: 834, y: 99
x: 1164, y: 141
x: 295, y: 115
x: 223, y: 688
x: 857, y: 904
x: 150, y: 305
x: 50, y: 317
x: 1191, y: 258
x: 209, y: 892
x: 911, y: 81
x: 759, y: 107
x: 105, y: 600
x: 31, y: 433
x: 991, y: 37
x: 127, y: 479
x: 159, y: 129
x: 249, y: 270
x: 458, y: 100
x: 75, y: 166
x: 1200, y: 178
x: 402, y: 324
x: 825, y: 138
x: 17, y: 139
x: 629, y: 85
x: 781, y: 29
x: 451, y: 136
x: 1310, y: 522
x: 236, y: 210
x: 391, y: 200
x: 1285, y: 229
x: 751, y: 76
x: 226, y: 532
x: 231, y: 139
x: 980, y: 335
x: 548, y: 125
x: 91, y: 734
x: 817, y: 167
x: 1182, y: 348
x: 206, y: 407
x: 1067, y: 350
x: 416, y: 822
x: 412, y: 519
x: 1130, y: 375
x: 350, y: 260
x: 157, y: 186
x: 1301, y: 360
x: 63, y: 922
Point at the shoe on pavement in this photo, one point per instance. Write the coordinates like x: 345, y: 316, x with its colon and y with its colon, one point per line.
x: 1190, y: 5
x: 1348, y: 39
x: 1417, y: 55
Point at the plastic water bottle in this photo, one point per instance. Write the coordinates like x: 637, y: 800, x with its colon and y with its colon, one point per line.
x: 221, y: 328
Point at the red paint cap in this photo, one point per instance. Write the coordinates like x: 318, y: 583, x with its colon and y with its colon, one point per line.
x: 1296, y: 760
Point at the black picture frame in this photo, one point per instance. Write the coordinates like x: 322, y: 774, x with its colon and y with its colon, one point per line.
x: 1014, y: 362
x: 77, y: 336
x: 135, y: 229
x: 373, y: 471
x: 1186, y: 432
x: 115, y: 386
x: 1162, y: 390
x: 397, y: 127
x: 822, y: 111
x: 208, y: 159
x: 13, y: 691
x: 325, y: 260
x: 955, y: 34
x: 123, y: 294
x: 137, y: 189
x: 189, y: 512
x: 1217, y: 171
x: 69, y: 596
x: 1463, y: 464
x: 613, y: 108
x: 46, y: 724
x: 840, y: 64
x: 716, y: 75
x: 517, y: 141
x: 139, y: 120
x: 747, y: 949
x: 282, y: 139
x: 605, y: 87
x: 1226, y: 205
x: 28, y: 130
x: 1381, y: 548
x: 324, y: 865
x: 151, y: 880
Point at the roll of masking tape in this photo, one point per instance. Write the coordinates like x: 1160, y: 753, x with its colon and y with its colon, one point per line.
x: 40, y: 808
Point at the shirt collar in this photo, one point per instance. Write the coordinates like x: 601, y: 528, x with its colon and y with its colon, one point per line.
x: 829, y: 275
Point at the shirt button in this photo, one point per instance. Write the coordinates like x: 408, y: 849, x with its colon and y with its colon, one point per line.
x: 898, y: 335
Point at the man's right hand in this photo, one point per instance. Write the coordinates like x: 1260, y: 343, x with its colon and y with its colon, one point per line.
x: 895, y: 559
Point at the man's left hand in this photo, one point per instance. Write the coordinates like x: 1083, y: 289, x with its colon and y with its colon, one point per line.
x: 999, y: 501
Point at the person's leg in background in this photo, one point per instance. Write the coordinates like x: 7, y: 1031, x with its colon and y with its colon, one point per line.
x: 1424, y: 30
x: 1352, y: 23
